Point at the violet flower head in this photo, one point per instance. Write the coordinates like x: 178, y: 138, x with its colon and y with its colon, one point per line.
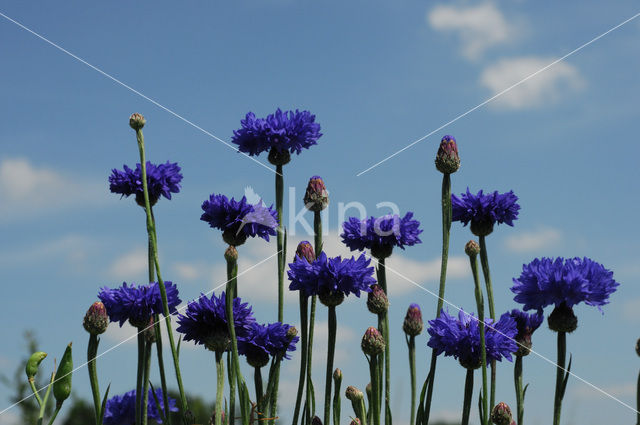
x: 137, y: 304
x: 239, y: 219
x: 570, y: 281
x: 526, y: 325
x: 484, y: 210
x: 281, y: 132
x: 331, y: 278
x: 460, y: 338
x: 162, y: 180
x: 121, y: 409
x: 267, y: 341
x: 205, y: 322
x: 381, y: 234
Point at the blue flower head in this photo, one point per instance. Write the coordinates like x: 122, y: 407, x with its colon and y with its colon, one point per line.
x: 560, y: 281
x: 137, y: 303
x: 205, y: 322
x: 121, y: 409
x: 239, y: 219
x: 331, y: 278
x: 381, y: 234
x: 162, y: 179
x: 280, y: 133
x: 265, y: 341
x: 460, y: 338
x: 484, y: 210
x: 526, y: 325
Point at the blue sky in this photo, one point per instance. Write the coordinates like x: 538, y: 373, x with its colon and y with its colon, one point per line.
x: 378, y: 75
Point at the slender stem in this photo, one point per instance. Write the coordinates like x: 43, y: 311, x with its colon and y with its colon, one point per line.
x: 560, y: 376
x: 411, y: 343
x: 219, y: 387
x: 638, y: 401
x: 55, y: 413
x: 311, y: 402
x: 468, y: 395
x: 445, y: 201
x: 374, y: 404
x: 46, y: 398
x: 484, y: 260
x: 304, y: 304
x: 145, y: 382
x: 92, y: 350
x: 232, y: 390
x: 35, y: 391
x: 257, y: 381
x: 382, y: 281
x: 517, y: 379
x: 336, y: 400
x: 331, y: 346
x: 362, y: 412
x: 273, y: 408
x: 317, y: 230
x: 151, y: 230
x: 140, y: 376
x: 483, y: 352
x: 281, y: 254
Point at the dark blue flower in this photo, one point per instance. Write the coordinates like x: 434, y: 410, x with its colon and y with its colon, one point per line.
x: 162, y: 179
x: 205, y: 322
x: 121, y: 409
x: 484, y: 210
x: 137, y: 303
x: 282, y: 131
x: 548, y: 281
x: 526, y: 325
x: 239, y: 219
x: 267, y: 340
x: 460, y: 338
x: 381, y: 234
x: 333, y: 275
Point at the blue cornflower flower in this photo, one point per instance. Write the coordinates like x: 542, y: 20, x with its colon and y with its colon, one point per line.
x: 332, y: 278
x: 205, y: 322
x: 239, y: 219
x: 267, y: 340
x: 460, y: 338
x: 162, y: 179
x: 526, y: 325
x: 121, y: 409
x: 484, y: 210
x: 381, y: 234
x: 137, y: 303
x: 559, y: 281
x: 280, y: 133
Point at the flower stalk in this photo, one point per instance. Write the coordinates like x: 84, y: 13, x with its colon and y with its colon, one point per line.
x: 468, y: 395
x: 337, y: 381
x: 484, y: 261
x: 411, y: 344
x: 517, y: 379
x: 220, y: 386
x: 304, y: 303
x: 92, y: 351
x: 561, y: 377
x: 331, y: 346
x: 382, y: 281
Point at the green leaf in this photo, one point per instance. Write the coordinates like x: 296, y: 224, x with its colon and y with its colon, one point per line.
x: 104, y: 404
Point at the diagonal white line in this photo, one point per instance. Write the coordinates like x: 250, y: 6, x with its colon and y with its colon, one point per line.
x: 126, y: 86
x: 501, y: 333
x: 492, y: 98
x: 139, y: 332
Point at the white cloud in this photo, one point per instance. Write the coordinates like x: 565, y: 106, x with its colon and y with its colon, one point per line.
x: 72, y: 249
x: 131, y: 265
x: 26, y: 190
x: 478, y: 27
x: 186, y: 271
x: 544, y: 237
x: 547, y: 87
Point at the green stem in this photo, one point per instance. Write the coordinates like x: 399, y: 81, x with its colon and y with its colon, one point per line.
x: 638, y: 401
x: 382, y: 281
x: 35, y: 390
x: 281, y: 254
x: 311, y: 402
x: 517, y: 379
x: 445, y: 201
x: 151, y: 230
x: 336, y: 400
x: 484, y: 260
x: 374, y: 403
x: 483, y: 352
x: 411, y: 343
x: 145, y: 385
x: 140, y: 376
x: 331, y: 346
x: 273, y: 408
x: 92, y: 350
x: 46, y: 398
x: 232, y: 390
x: 55, y: 413
x: 560, y: 377
x: 257, y: 380
x: 219, y: 387
x: 468, y: 395
x: 304, y: 304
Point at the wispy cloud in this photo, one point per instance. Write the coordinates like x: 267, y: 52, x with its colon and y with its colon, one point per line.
x: 131, y: 265
x: 70, y: 249
x: 27, y: 190
x: 543, y: 237
x: 546, y: 88
x: 478, y: 27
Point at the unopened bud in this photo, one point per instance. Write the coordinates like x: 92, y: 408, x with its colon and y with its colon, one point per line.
x: 96, y: 320
x: 33, y: 363
x: 472, y: 249
x: 353, y: 394
x: 447, y: 159
x: 372, y: 342
x: 501, y: 414
x: 355, y: 421
x: 337, y: 375
x: 137, y: 121
x: 413, y: 325
x: 316, y: 198
x: 316, y: 421
x: 231, y: 253
x: 305, y: 251
x: 377, y: 301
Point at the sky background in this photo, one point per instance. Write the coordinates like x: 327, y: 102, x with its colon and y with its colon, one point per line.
x: 377, y: 75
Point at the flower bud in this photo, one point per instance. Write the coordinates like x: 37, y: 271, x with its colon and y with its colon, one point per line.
x: 62, y: 380
x: 355, y: 421
x: 472, y: 249
x: 372, y: 342
x: 316, y: 198
x: 337, y: 375
x: 368, y: 390
x: 137, y: 121
x: 278, y: 157
x: 413, y: 325
x: 562, y: 319
x: 292, y: 332
x: 353, y: 394
x: 96, y: 320
x: 231, y: 253
x: 377, y: 301
x: 33, y: 363
x: 447, y: 159
x: 305, y: 251
x: 501, y: 414
x: 316, y: 421
x: 330, y: 298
